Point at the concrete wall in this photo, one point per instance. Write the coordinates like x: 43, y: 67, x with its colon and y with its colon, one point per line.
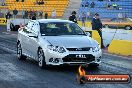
x: 116, y: 34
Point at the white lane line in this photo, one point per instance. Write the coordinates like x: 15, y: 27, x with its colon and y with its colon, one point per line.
x: 8, y: 32
x: 7, y: 49
x: 11, y: 72
x: 13, y: 34
x: 129, y: 58
x: 5, y: 33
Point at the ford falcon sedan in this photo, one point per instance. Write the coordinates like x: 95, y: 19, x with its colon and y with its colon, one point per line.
x: 57, y: 42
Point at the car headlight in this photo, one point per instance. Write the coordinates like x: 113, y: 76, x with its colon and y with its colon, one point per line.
x: 56, y: 48
x: 96, y: 49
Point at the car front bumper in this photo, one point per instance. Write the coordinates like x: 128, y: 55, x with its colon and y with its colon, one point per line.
x: 73, y: 57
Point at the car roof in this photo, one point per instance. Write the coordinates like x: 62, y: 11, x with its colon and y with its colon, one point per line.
x: 53, y: 20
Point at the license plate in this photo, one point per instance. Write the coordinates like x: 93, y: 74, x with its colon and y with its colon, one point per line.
x: 80, y: 56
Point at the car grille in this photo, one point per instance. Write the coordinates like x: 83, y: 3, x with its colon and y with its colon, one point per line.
x: 74, y: 58
x: 79, y: 49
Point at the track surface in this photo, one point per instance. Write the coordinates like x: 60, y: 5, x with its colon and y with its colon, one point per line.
x: 27, y: 74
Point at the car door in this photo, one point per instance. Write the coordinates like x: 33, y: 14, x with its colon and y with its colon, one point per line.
x: 33, y: 41
x: 25, y: 41
x: 23, y: 37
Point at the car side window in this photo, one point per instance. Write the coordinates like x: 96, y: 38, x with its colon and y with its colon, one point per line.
x: 75, y: 29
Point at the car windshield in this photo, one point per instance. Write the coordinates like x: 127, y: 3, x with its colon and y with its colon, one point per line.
x: 60, y: 28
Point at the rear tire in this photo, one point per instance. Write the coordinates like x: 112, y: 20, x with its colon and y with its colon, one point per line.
x: 41, y: 59
x: 16, y: 27
x: 20, y: 56
x: 11, y: 27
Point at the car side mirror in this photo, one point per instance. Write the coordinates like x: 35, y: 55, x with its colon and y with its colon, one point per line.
x: 88, y: 34
x: 33, y: 35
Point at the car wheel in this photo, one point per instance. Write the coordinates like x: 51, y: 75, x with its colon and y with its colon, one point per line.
x: 20, y: 56
x: 41, y: 59
x: 16, y: 27
x: 11, y: 26
x: 128, y: 27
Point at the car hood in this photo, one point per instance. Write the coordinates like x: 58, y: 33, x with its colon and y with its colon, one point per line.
x: 71, y: 41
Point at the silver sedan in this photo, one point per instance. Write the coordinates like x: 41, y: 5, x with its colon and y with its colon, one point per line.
x: 57, y: 42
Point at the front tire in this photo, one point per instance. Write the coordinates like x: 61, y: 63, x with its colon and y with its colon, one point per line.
x: 20, y: 56
x: 41, y: 59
